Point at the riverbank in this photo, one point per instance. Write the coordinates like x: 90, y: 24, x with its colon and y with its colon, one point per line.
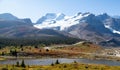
x: 81, y: 50
x: 71, y: 66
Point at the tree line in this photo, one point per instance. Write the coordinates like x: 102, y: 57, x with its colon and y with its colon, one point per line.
x: 36, y: 41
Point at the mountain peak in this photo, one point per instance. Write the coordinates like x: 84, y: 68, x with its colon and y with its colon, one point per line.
x: 8, y: 16
x: 60, y: 16
x: 87, y: 13
x: 50, y: 15
x: 79, y: 13
x: 83, y: 14
x: 27, y: 20
x: 103, y: 16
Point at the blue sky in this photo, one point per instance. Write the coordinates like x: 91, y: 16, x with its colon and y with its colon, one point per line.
x: 34, y: 9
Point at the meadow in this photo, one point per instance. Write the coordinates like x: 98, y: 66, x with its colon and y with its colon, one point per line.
x: 72, y: 66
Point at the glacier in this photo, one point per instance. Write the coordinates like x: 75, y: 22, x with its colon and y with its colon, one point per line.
x: 63, y: 22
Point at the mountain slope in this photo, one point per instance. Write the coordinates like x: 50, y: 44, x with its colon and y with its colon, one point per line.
x: 23, y: 28
x: 94, y: 28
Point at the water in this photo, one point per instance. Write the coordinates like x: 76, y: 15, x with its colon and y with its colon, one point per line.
x: 49, y: 61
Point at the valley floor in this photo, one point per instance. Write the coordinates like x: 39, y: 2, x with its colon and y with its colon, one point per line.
x: 81, y: 50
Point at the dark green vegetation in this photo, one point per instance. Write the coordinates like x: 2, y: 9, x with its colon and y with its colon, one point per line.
x: 36, y: 41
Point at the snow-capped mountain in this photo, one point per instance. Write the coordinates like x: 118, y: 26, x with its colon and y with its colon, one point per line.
x: 99, y: 29
x: 95, y: 28
x: 59, y: 21
x: 62, y: 22
x: 13, y: 27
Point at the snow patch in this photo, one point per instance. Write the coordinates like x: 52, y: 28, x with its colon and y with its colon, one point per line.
x: 114, y: 31
x: 63, y: 23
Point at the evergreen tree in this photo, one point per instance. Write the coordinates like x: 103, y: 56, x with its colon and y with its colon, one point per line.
x: 3, y: 53
x: 23, y: 64
x: 57, y: 62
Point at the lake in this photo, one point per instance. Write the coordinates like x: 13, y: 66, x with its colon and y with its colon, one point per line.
x: 49, y: 61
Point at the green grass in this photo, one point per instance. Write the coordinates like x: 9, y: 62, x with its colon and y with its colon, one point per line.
x: 72, y: 66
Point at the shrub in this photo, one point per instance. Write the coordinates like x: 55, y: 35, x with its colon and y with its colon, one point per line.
x: 4, y: 69
x: 75, y: 61
x: 65, y: 66
x: 47, y: 50
x: 17, y: 64
x: 52, y: 64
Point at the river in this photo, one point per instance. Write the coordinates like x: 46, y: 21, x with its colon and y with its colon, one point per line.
x: 49, y: 61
